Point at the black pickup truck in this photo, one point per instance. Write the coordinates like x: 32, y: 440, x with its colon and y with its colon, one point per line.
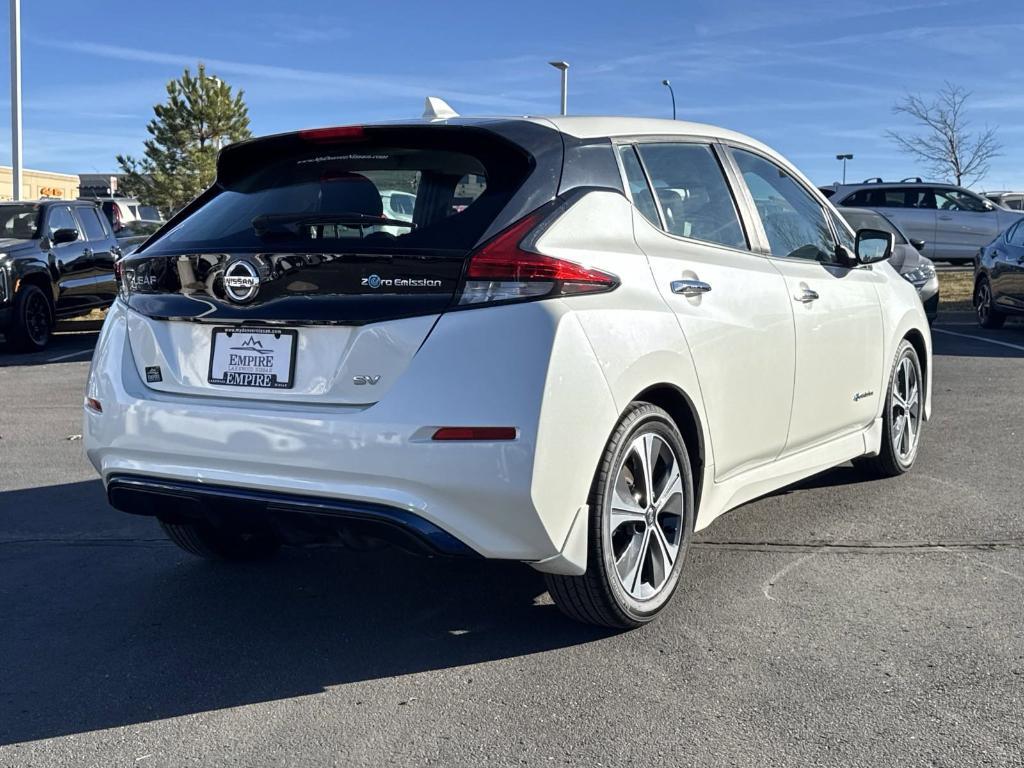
x: 56, y: 261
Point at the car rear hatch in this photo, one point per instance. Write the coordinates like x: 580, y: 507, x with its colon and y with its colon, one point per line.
x: 288, y: 281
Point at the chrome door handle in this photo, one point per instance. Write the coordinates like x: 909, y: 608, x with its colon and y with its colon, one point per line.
x: 690, y: 287
x: 807, y: 296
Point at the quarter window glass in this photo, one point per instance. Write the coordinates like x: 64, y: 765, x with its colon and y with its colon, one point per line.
x: 693, y: 193
x: 91, y: 224
x: 793, y: 220
x: 643, y: 199
x: 60, y: 218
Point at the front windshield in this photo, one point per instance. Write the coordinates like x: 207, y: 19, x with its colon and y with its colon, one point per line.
x: 19, y: 221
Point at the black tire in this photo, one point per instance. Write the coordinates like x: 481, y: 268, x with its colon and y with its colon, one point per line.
x: 988, y: 316
x: 204, y: 540
x: 33, y: 320
x: 889, y: 463
x: 598, y: 597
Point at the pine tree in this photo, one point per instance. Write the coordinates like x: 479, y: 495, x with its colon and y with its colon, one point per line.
x: 200, y: 116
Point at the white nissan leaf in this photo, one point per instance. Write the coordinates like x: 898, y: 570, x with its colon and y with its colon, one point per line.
x: 591, y: 337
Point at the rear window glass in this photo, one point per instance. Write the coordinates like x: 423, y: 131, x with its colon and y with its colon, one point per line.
x: 432, y: 191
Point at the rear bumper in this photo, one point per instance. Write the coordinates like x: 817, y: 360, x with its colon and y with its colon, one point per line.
x: 287, y: 513
x: 525, y: 366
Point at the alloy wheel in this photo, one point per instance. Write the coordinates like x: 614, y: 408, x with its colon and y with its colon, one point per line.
x: 984, y: 302
x: 644, y: 523
x: 37, y: 318
x: 905, y: 403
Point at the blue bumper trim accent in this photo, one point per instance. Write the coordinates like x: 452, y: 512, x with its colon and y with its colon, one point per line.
x: 158, y: 497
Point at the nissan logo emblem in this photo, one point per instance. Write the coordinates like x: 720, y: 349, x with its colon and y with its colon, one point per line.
x: 241, y: 281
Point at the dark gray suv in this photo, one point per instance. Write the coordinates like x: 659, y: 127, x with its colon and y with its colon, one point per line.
x: 954, y: 222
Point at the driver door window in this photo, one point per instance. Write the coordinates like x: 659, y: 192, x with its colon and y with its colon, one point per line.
x: 793, y: 220
x: 953, y: 200
x: 60, y: 218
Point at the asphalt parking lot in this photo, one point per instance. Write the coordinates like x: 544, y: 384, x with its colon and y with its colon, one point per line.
x: 841, y: 622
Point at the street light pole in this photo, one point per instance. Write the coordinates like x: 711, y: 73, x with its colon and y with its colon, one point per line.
x: 563, y: 67
x: 668, y: 85
x: 844, y: 158
x: 15, y: 99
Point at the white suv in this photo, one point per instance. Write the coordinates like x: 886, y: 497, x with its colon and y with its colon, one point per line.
x: 633, y: 327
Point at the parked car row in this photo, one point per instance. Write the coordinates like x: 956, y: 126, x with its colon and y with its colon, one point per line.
x: 927, y: 220
x: 953, y: 223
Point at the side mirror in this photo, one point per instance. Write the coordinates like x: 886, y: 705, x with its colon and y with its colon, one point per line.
x: 64, y: 236
x: 874, y: 245
x: 919, y: 244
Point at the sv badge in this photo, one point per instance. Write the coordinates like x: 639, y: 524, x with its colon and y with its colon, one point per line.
x: 363, y: 380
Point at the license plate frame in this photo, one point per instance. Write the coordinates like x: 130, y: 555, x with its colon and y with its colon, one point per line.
x: 264, y: 345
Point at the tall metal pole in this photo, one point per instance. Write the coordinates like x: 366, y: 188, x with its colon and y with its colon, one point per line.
x: 668, y: 85
x: 563, y: 66
x: 844, y: 158
x: 16, y: 99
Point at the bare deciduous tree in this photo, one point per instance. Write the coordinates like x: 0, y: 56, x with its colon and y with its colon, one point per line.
x: 944, y: 140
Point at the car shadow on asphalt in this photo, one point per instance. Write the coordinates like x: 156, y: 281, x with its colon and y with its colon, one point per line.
x: 970, y: 340
x: 71, y: 347
x: 123, y: 628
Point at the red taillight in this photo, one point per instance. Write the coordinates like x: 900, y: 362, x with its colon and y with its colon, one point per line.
x: 503, y: 270
x: 93, y: 404
x: 341, y: 133
x: 475, y: 433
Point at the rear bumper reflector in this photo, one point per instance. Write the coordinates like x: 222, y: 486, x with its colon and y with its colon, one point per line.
x: 475, y: 433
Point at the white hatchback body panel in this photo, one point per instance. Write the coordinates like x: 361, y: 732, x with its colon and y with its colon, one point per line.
x: 778, y: 390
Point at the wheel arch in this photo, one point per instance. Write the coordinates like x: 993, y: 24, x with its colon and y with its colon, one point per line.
x: 681, y: 408
x: 38, y: 277
x: 979, y: 275
x: 917, y: 341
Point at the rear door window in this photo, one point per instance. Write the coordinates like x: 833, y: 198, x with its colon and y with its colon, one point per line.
x: 329, y: 197
x: 693, y: 194
x: 91, y: 225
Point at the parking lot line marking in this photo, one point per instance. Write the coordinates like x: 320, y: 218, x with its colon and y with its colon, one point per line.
x: 68, y: 355
x: 979, y: 338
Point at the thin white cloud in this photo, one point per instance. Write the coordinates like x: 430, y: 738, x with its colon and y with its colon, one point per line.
x: 348, y: 85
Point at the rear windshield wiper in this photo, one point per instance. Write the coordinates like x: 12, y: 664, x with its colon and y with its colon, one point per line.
x: 293, y: 222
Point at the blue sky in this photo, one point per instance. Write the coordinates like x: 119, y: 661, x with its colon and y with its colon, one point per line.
x: 809, y: 77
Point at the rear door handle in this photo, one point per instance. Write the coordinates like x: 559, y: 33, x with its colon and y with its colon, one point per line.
x: 690, y: 287
x: 807, y: 296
